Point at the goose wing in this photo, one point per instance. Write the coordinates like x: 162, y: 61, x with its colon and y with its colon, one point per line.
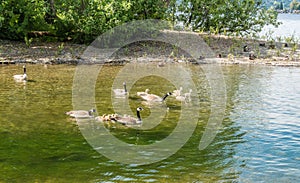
x: 142, y: 93
x: 20, y: 77
x: 151, y: 97
x: 180, y: 98
x: 127, y: 120
x: 79, y: 114
x: 120, y: 92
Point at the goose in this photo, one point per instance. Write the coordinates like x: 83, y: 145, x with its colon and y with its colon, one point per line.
x: 181, y: 98
x: 21, y: 77
x: 143, y: 93
x: 188, y: 95
x: 246, y: 48
x: 128, y: 120
x: 104, y: 117
x: 262, y: 44
x: 160, y: 64
x: 177, y: 92
x: 121, y: 91
x: 252, y: 56
x: 155, y: 98
x: 81, y: 113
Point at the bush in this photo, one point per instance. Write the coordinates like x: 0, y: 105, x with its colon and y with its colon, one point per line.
x: 18, y: 17
x: 83, y: 20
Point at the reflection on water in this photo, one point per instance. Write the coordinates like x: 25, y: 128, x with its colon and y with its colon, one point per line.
x: 259, y: 139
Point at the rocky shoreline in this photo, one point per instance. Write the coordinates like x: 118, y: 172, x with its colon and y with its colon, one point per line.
x: 228, y: 50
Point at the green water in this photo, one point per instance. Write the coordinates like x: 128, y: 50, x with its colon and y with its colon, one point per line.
x: 39, y: 143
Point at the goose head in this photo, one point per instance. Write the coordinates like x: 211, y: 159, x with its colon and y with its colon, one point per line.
x: 91, y: 112
x: 166, y: 95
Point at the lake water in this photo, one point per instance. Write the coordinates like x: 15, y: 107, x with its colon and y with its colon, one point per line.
x: 290, y: 27
x: 259, y: 140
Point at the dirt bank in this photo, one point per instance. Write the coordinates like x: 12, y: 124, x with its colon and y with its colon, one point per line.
x: 227, y: 50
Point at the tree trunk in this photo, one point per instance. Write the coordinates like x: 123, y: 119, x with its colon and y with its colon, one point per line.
x: 51, y: 14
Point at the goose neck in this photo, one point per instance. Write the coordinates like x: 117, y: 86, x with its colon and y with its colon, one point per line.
x: 164, y: 98
x: 125, y: 89
x: 138, y: 115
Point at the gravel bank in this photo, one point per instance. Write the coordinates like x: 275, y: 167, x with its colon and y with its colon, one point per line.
x: 227, y: 50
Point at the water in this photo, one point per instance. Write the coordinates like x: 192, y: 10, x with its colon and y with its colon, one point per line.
x: 259, y: 139
x: 289, y: 28
x: 266, y: 107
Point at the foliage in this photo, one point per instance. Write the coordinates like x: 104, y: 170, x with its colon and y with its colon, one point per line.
x: 149, y: 9
x: 18, y: 17
x: 83, y: 20
x: 295, y: 5
x: 226, y: 16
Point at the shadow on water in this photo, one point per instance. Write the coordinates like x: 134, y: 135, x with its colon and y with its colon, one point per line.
x: 31, y: 81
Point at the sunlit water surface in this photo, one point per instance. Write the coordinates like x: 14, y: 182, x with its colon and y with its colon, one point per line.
x: 289, y: 28
x: 259, y: 139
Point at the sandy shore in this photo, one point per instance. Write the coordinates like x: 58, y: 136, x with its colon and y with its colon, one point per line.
x: 227, y: 50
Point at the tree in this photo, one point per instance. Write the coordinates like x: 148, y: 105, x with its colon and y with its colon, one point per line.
x: 281, y: 6
x: 278, y: 5
x: 84, y: 20
x: 19, y: 17
x: 295, y: 5
x: 149, y: 9
x: 50, y: 12
x: 234, y: 16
